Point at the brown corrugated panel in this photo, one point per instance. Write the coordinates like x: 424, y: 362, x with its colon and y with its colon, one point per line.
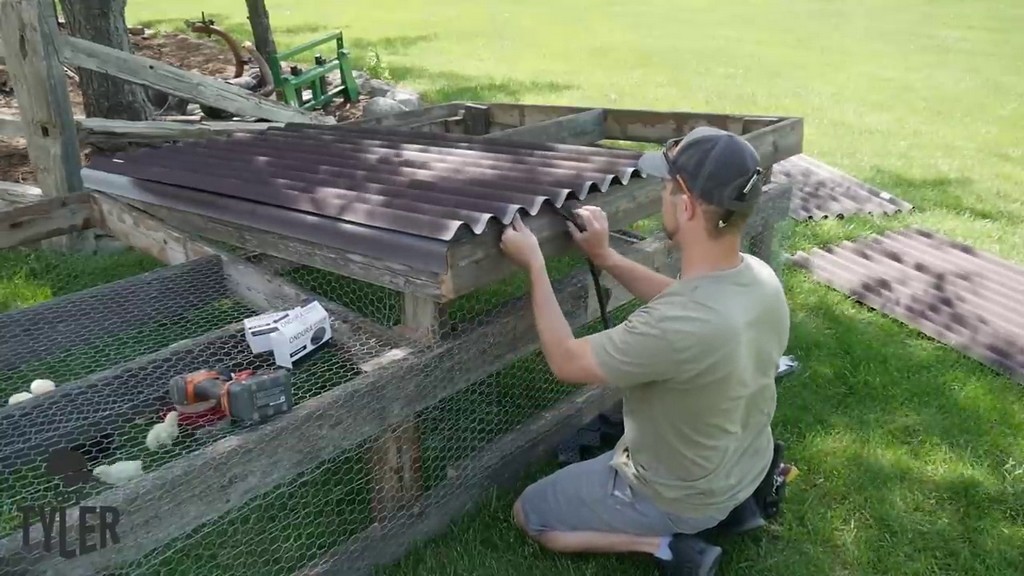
x: 424, y: 184
x: 820, y: 191
x: 965, y: 298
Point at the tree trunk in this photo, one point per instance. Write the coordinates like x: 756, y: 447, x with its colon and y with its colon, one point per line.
x: 103, y: 96
x: 259, y: 20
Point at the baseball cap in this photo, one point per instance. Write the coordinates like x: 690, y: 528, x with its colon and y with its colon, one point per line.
x: 719, y: 167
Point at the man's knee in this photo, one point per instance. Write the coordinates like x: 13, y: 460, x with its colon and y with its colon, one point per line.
x: 517, y: 514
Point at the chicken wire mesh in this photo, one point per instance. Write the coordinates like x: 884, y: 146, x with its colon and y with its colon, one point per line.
x: 383, y: 427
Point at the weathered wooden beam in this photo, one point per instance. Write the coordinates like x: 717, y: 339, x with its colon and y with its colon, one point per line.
x: 411, y: 118
x: 395, y: 458
x: 11, y: 127
x: 578, y: 128
x: 476, y: 120
x: 43, y: 219
x: 257, y: 459
x: 248, y: 282
x: 105, y: 133
x: 28, y: 29
x: 190, y: 86
x: 146, y: 235
x: 759, y: 234
x: 374, y: 270
x: 775, y: 137
x: 500, y: 464
x: 477, y: 261
x: 17, y: 194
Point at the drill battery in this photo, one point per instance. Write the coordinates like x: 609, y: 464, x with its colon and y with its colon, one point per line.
x: 249, y: 396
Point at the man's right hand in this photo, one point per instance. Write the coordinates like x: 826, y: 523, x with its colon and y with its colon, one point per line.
x: 593, y: 242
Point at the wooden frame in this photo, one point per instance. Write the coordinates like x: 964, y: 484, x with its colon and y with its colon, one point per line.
x: 419, y: 376
x: 412, y: 370
x: 404, y: 371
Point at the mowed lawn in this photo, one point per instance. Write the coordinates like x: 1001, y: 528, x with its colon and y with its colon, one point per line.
x: 912, y: 456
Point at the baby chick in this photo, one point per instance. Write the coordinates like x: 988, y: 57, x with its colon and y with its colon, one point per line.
x: 119, y: 472
x: 164, y: 433
x: 19, y: 397
x: 41, y: 386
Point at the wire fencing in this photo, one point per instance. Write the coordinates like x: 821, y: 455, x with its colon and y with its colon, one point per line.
x: 387, y: 422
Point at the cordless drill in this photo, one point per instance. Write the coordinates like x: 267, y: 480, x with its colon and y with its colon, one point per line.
x: 248, y: 396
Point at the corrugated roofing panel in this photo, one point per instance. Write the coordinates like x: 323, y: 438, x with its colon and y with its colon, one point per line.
x: 416, y: 252
x: 820, y: 191
x: 424, y: 184
x: 968, y: 299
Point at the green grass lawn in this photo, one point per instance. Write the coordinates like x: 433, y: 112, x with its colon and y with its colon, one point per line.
x: 912, y: 456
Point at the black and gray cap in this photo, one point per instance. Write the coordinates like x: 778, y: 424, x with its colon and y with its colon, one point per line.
x: 719, y: 167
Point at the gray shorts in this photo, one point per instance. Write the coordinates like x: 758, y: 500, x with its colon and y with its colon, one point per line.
x: 592, y: 496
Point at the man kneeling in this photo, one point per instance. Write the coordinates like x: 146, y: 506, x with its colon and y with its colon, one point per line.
x: 696, y: 365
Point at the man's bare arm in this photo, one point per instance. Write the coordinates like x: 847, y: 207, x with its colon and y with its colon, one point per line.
x: 642, y: 282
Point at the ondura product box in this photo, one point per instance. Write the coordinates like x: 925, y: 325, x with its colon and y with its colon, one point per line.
x: 303, y: 330
x: 259, y: 329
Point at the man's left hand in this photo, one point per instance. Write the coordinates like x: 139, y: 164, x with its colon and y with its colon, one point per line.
x: 520, y: 245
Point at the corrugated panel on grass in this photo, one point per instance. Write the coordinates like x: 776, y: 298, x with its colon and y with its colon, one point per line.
x: 968, y: 299
x: 820, y: 191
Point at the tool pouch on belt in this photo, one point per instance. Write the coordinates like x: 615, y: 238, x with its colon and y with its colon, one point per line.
x: 770, y: 493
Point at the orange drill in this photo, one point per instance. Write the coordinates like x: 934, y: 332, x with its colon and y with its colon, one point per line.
x: 248, y: 395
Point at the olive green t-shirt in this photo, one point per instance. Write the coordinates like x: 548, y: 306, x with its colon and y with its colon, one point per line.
x: 697, y: 367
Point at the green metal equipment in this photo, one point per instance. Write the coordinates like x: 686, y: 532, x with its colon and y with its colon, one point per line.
x: 290, y: 87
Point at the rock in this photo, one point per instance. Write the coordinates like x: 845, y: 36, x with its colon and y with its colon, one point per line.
x: 407, y: 98
x: 380, y: 106
x: 109, y: 245
x: 362, y: 79
x: 377, y: 88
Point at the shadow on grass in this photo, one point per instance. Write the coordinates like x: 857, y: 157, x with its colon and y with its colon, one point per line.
x: 389, y: 45
x: 448, y: 85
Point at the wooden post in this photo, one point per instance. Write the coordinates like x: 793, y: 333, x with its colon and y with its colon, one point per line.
x: 396, y: 455
x: 28, y: 29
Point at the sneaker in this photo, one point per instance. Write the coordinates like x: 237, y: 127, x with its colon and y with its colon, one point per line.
x: 691, y: 556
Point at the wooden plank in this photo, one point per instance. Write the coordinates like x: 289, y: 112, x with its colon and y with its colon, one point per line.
x: 380, y: 272
x: 29, y: 32
x: 43, y: 219
x: 477, y: 261
x: 395, y: 458
x: 501, y: 463
x: 254, y: 461
x: 476, y: 120
x: 775, y: 137
x: 17, y: 194
x: 579, y: 128
x: 248, y: 282
x: 190, y: 86
x: 760, y: 230
x: 105, y: 133
x: 146, y: 235
x: 410, y: 118
x: 11, y: 127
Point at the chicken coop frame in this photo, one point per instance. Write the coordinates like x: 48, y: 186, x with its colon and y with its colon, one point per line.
x: 410, y: 367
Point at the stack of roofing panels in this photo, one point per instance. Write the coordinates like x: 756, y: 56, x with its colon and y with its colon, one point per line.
x: 384, y: 192
x: 820, y: 191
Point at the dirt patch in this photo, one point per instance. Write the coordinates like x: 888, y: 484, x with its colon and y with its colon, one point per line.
x: 188, y: 52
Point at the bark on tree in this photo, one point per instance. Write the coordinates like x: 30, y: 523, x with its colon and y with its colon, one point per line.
x: 103, y: 96
x: 259, y: 20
